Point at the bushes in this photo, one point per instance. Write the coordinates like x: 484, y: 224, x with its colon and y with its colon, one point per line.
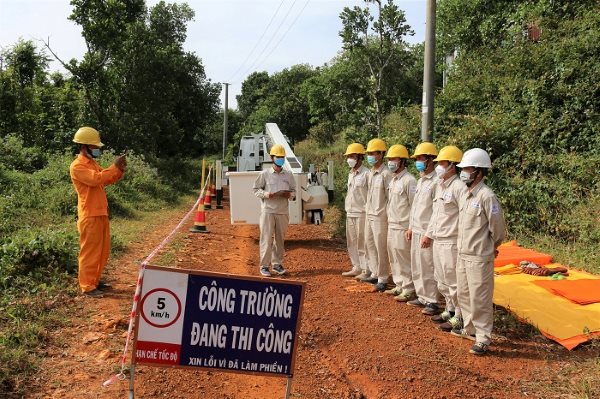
x: 36, y: 205
x: 534, y: 106
x: 39, y: 243
x: 14, y: 155
x: 37, y: 254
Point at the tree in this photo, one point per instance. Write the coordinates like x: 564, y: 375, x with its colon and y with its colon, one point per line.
x: 36, y: 109
x: 142, y: 90
x: 254, y: 90
x: 339, y: 94
x: 278, y: 99
x: 375, y: 42
x: 533, y: 105
x: 213, y: 143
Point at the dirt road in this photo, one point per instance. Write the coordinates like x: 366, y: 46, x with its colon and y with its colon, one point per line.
x: 353, y: 343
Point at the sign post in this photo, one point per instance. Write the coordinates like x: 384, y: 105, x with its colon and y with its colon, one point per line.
x: 205, y: 320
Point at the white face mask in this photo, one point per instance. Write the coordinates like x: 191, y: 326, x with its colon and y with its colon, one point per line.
x: 393, y: 165
x: 351, y: 162
x: 440, y: 171
x: 466, y: 178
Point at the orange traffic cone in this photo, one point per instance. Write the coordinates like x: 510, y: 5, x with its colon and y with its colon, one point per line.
x: 207, y: 200
x: 200, y: 220
x: 207, y: 197
x: 213, y: 187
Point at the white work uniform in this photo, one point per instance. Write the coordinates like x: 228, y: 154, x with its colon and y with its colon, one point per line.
x: 377, y: 225
x: 481, y: 229
x: 443, y: 230
x: 422, y: 258
x: 355, y: 203
x: 400, y: 198
x: 274, y: 216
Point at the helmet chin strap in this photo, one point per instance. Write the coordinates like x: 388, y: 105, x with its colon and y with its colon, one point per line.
x: 87, y: 150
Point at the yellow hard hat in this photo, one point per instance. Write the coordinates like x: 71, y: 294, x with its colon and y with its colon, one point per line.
x: 376, y: 145
x: 277, y: 150
x: 397, y: 151
x: 449, y: 153
x: 425, y: 148
x: 87, y: 135
x: 355, y: 148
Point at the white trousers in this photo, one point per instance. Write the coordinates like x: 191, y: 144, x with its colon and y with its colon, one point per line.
x: 421, y: 262
x: 399, y: 254
x: 272, y: 232
x: 475, y: 283
x: 444, y: 264
x: 355, y: 239
x: 376, y: 242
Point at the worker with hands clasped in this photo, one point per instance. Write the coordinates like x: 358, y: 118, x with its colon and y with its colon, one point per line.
x: 420, y: 215
x: 89, y: 180
x: 275, y: 187
x: 379, y: 179
x: 481, y: 229
x: 443, y: 230
x: 356, y: 198
x: 401, y: 193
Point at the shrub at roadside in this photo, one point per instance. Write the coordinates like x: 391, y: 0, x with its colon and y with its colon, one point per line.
x: 39, y: 242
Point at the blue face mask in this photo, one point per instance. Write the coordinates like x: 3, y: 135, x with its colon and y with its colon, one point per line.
x: 279, y: 161
x: 95, y: 153
x: 421, y: 166
x: 371, y: 160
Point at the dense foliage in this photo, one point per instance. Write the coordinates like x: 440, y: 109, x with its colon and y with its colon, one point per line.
x: 144, y: 93
x: 533, y: 103
x: 135, y: 83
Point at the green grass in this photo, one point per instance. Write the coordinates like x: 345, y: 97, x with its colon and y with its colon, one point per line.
x: 28, y: 311
x: 39, y: 245
x: 32, y: 308
x: 577, y: 255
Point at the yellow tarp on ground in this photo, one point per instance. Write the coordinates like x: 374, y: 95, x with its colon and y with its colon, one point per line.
x: 557, y: 318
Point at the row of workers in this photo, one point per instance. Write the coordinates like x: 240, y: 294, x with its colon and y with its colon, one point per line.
x: 428, y: 240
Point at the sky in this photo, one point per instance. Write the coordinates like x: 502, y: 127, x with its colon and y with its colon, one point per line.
x: 232, y: 37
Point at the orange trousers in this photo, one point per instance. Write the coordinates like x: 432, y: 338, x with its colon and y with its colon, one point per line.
x: 94, y: 248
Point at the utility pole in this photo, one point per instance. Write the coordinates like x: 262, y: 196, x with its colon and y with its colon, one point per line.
x: 225, y: 119
x: 428, y: 74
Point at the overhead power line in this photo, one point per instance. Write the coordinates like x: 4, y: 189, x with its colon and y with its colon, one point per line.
x: 252, y: 66
x: 257, y: 42
x: 283, y: 36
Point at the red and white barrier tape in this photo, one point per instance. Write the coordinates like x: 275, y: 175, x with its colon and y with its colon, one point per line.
x: 138, y: 287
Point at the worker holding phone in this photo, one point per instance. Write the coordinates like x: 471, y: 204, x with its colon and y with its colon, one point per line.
x: 275, y: 187
x: 89, y: 180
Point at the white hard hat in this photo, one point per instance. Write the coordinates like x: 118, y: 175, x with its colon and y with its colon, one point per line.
x: 476, y: 157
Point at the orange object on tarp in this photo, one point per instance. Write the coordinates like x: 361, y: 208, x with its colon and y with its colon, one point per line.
x: 556, y: 317
x: 512, y: 253
x: 581, y: 292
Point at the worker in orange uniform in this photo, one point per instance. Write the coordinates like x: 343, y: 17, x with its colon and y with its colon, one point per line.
x: 89, y: 180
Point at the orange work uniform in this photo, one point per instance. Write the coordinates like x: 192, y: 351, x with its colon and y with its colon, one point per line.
x: 89, y: 180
